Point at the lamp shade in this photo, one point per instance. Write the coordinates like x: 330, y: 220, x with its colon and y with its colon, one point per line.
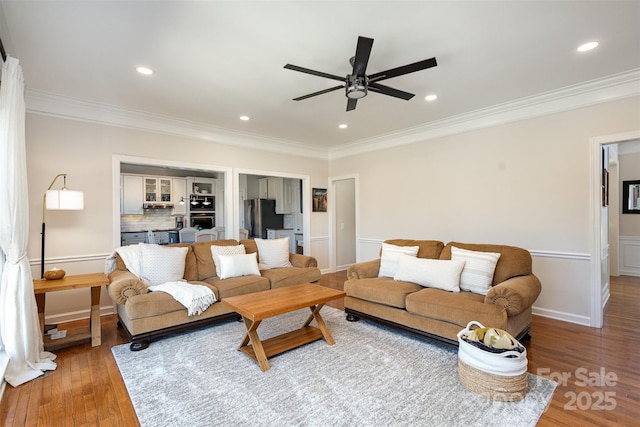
x: 64, y: 200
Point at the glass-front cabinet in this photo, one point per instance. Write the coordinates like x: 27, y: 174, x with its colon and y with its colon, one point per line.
x: 157, y: 190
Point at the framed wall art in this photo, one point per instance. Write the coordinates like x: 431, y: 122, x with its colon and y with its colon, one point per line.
x: 319, y: 199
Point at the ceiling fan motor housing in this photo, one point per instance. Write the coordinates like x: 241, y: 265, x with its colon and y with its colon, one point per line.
x: 356, y: 87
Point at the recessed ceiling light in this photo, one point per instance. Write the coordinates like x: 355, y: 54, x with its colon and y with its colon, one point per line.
x: 587, y: 46
x: 144, y: 70
x: 245, y: 118
x: 343, y: 126
x: 431, y: 97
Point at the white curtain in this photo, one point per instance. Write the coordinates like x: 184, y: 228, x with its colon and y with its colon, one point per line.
x: 19, y: 325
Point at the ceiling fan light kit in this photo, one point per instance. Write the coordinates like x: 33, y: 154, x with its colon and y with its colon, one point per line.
x: 358, y: 84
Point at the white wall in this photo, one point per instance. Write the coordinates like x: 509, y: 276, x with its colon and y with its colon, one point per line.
x: 525, y: 183
x: 78, y: 241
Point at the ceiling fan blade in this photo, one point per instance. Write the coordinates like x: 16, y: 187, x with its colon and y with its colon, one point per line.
x: 405, y: 69
x: 386, y: 90
x: 351, y: 104
x: 363, y: 51
x: 320, y: 92
x: 313, y: 72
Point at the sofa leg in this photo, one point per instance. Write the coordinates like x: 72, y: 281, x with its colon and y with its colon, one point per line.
x: 352, y: 318
x: 139, y: 345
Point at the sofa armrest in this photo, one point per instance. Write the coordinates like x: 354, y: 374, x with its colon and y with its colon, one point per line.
x: 298, y: 260
x: 364, y: 270
x: 123, y: 285
x: 515, y: 295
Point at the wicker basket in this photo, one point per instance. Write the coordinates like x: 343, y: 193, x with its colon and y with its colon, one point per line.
x: 495, y: 387
x: 496, y: 376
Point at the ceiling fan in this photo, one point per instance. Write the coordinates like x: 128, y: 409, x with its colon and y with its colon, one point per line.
x: 358, y: 83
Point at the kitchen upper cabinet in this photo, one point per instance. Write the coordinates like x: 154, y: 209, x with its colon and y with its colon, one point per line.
x: 157, y: 190
x: 280, y: 190
x: 132, y: 195
x: 202, y: 186
x: 263, y: 188
x: 179, y: 193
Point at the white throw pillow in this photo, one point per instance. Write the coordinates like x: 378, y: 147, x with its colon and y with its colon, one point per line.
x: 431, y: 273
x: 217, y: 250
x: 161, y: 264
x: 239, y: 265
x: 479, y: 267
x: 389, y: 258
x: 274, y: 253
x: 131, y: 257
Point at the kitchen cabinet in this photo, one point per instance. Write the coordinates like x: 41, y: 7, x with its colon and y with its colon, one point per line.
x: 157, y: 189
x: 280, y: 190
x: 132, y: 195
x: 179, y: 193
x: 202, y: 186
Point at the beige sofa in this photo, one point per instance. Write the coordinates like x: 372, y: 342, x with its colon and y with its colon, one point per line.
x: 147, y: 315
x: 440, y: 314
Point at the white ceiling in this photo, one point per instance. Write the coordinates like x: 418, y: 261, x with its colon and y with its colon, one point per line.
x: 217, y: 60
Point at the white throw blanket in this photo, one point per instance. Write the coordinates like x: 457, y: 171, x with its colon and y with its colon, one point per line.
x: 196, y: 298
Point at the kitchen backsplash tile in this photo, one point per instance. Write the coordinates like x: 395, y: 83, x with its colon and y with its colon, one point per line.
x: 153, y: 219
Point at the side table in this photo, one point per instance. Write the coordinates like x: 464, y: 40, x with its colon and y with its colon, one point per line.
x: 95, y: 281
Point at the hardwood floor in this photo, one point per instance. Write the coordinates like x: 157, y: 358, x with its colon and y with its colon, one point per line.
x: 599, y: 366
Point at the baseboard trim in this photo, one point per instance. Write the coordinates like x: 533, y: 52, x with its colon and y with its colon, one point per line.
x: 559, y: 315
x: 72, y: 316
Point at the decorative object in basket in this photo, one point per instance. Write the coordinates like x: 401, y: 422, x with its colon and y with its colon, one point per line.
x: 495, y: 373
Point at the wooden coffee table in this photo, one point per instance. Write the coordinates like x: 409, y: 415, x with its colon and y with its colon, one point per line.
x: 257, y: 306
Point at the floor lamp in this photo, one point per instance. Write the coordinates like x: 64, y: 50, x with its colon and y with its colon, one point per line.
x: 63, y: 199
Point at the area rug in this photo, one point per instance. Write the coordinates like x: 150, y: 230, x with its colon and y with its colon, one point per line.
x: 372, y: 376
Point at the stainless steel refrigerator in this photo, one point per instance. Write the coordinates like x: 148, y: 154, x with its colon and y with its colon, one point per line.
x: 260, y: 214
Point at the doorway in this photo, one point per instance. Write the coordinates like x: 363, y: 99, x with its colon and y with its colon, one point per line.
x: 600, y: 261
x: 343, y: 222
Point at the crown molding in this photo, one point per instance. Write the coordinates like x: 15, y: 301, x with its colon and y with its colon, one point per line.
x: 610, y: 88
x: 48, y: 104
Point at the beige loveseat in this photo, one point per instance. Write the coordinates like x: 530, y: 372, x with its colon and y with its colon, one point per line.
x: 147, y: 315
x: 439, y: 314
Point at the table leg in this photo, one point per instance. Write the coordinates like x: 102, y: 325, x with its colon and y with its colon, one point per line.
x: 256, y: 344
x: 96, y: 330
x: 40, y: 301
x: 315, y: 314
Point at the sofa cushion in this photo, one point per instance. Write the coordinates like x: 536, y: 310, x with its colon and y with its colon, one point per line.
x: 458, y: 308
x: 238, y: 285
x: 280, y: 277
x: 427, y: 248
x: 381, y: 290
x: 155, y: 304
x: 161, y: 264
x: 389, y: 256
x: 432, y: 273
x: 513, y: 261
x: 204, y: 259
x: 479, y: 267
x: 238, y: 265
